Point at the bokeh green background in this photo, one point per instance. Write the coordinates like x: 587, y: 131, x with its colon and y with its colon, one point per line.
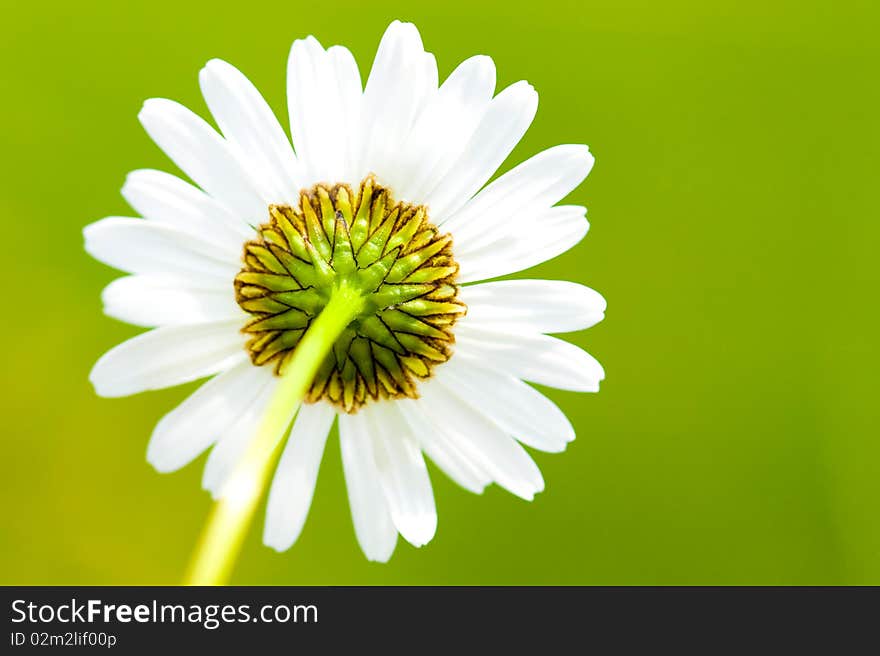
x: 734, y: 233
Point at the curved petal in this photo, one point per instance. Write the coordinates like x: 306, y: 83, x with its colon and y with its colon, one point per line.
x: 537, y: 358
x: 252, y: 129
x: 480, y: 439
x: 349, y: 94
x: 139, y: 246
x: 532, y: 306
x: 202, y: 418
x: 369, y: 511
x: 402, y: 473
x: 521, y: 245
x: 395, y: 92
x: 156, y: 300
x: 168, y: 356
x: 455, y: 464
x: 503, y: 124
x: 530, y: 188
x: 204, y: 156
x: 165, y: 198
x: 430, y: 82
x: 320, y: 89
x: 516, y: 408
x: 444, y: 127
x: 232, y: 444
x: 294, y: 483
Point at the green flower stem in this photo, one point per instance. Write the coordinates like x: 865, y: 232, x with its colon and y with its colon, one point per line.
x: 224, y: 533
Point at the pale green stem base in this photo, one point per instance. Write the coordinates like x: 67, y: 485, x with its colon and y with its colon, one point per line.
x: 223, y: 535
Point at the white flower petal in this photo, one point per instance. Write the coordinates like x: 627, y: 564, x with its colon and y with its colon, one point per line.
x: 480, y: 439
x: 430, y: 82
x: 168, y: 356
x: 252, y: 129
x: 319, y: 84
x: 503, y: 124
x: 350, y: 95
x: 537, y: 358
x: 202, y: 418
x: 394, y: 94
x: 139, y: 246
x: 444, y: 126
x: 523, y: 245
x: 165, y: 198
x: 204, y: 156
x: 294, y: 483
x: 455, y: 464
x: 530, y: 188
x: 369, y: 511
x: 543, y: 306
x: 402, y: 473
x: 518, y: 409
x: 159, y: 300
x: 425, y: 91
x: 233, y: 442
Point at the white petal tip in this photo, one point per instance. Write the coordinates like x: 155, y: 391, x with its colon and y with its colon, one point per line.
x: 382, y: 554
x: 160, y: 452
x: 104, y: 392
x: 585, y: 159
x: 212, y: 487
x: 130, y: 179
x: 149, y: 105
x: 277, y: 543
x: 378, y: 559
x: 398, y: 24
x: 215, y: 62
x: 526, y: 90
x: 277, y: 533
x: 160, y: 466
x: 90, y: 230
x: 310, y: 43
x: 104, y: 388
x: 527, y: 494
x: 418, y: 531
x: 155, y: 109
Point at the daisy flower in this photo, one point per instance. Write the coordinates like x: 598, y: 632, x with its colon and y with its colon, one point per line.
x: 354, y: 256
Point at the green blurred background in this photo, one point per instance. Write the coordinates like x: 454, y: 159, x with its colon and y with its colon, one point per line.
x: 734, y: 234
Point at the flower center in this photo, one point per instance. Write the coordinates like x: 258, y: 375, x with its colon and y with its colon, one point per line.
x: 390, y: 252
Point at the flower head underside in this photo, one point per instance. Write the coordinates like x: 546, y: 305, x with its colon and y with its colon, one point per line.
x: 362, y: 239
